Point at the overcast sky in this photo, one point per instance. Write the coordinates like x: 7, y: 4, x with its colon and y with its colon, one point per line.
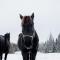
x: 47, y: 17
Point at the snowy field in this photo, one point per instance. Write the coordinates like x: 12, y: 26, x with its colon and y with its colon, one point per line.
x: 40, y: 56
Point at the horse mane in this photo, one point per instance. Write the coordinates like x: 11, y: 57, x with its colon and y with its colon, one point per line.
x: 26, y: 19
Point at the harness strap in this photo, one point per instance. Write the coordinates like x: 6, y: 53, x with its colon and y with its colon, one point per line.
x: 29, y: 36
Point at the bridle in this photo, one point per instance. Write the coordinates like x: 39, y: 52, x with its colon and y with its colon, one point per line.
x: 31, y: 36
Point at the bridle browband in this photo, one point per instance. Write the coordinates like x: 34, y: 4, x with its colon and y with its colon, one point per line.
x: 32, y: 36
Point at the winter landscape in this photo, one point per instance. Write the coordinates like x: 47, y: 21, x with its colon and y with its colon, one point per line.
x: 40, y: 56
x: 47, y: 25
x: 47, y: 51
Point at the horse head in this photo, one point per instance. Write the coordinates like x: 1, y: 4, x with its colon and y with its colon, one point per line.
x: 27, y: 24
x: 7, y: 36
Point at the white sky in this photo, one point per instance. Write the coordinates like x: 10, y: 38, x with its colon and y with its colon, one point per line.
x: 47, y: 17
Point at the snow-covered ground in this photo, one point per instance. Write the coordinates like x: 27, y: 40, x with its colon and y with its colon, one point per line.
x: 40, y: 56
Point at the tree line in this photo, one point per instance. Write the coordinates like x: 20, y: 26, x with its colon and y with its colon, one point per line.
x: 51, y: 45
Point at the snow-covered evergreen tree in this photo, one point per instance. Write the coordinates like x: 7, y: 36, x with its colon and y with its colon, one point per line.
x: 50, y: 44
x: 58, y: 43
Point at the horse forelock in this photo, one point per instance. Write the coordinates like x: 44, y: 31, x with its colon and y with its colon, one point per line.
x: 26, y: 19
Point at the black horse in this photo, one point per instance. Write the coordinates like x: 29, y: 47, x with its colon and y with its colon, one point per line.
x: 4, y: 45
x: 28, y: 40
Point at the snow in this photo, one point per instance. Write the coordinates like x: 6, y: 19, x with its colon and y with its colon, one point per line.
x: 40, y: 56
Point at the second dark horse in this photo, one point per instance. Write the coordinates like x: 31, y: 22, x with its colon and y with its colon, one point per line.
x: 4, y: 45
x: 28, y: 39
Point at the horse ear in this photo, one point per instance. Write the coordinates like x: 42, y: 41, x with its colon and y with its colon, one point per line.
x: 32, y: 16
x: 20, y: 16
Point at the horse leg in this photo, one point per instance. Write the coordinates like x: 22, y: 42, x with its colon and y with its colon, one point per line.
x: 33, y: 55
x: 25, y: 56
x: 6, y: 55
x: 1, y: 56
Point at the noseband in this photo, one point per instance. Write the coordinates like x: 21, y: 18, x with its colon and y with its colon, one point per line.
x: 31, y: 36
